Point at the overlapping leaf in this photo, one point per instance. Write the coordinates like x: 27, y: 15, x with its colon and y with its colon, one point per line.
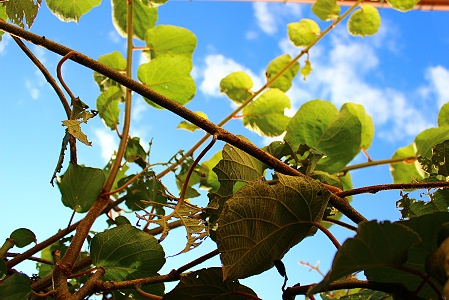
x: 406, y: 171
x: 207, y: 284
x: 80, y: 187
x: 15, y: 287
x: 364, y: 21
x: 427, y: 139
x: 284, y: 82
x: 237, y: 86
x: 326, y: 9
x: 70, y: 10
x: 189, y: 126
x: 170, y: 76
x: 170, y: 40
x: 319, y: 124
x: 410, y: 207
x: 116, y: 61
x: 262, y: 221
x: 303, y: 33
x: 144, y: 17
x: 107, y: 106
x: 265, y: 115
x: 17, y: 11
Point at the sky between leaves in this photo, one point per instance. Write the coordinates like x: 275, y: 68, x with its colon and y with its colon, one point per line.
x: 400, y: 76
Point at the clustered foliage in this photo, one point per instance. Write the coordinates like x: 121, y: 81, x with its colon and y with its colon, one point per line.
x: 262, y: 202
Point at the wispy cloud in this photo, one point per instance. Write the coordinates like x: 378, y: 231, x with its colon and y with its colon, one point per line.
x: 5, y: 41
x: 107, y: 142
x: 270, y: 16
x: 438, y: 78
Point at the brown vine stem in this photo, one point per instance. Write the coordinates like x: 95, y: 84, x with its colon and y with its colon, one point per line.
x: 395, y: 186
x: 372, y: 163
x: 222, y: 134
x: 258, y: 92
x: 329, y: 235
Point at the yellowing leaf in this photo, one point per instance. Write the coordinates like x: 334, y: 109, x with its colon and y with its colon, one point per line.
x: 237, y: 86
x: 306, y: 70
x: 326, y: 9
x: 284, y: 82
x: 75, y: 129
x: 303, y: 33
x: 364, y: 21
x: 71, y: 10
x: 403, y: 5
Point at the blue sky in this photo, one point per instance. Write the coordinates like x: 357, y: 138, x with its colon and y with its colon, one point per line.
x: 400, y: 75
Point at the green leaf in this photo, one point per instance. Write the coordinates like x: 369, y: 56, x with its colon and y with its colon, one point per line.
x: 126, y: 253
x: 443, y: 115
x: 303, y: 33
x: 437, y: 164
x: 17, y: 11
x: 170, y: 40
x: 207, y: 284
x: 145, y: 188
x: 366, y: 295
x: 365, y: 120
x: 107, y: 106
x: 406, y: 171
x: 364, y: 21
x: 237, y: 86
x: 403, y: 5
x: 169, y: 76
x: 284, y: 82
x: 326, y: 9
x: 74, y: 129
x: 262, y: 221
x: 235, y: 166
x: 116, y: 61
x: 210, y: 179
x: 3, y: 269
x: 318, y: 124
x: 144, y: 17
x: 427, y: 139
x: 80, y: 187
x: 71, y: 10
x: 189, y: 126
x: 306, y: 70
x: 23, y: 237
x: 3, y: 16
x: 265, y: 115
x: 135, y: 153
x: 409, y: 207
x: 376, y: 246
x: 15, y: 287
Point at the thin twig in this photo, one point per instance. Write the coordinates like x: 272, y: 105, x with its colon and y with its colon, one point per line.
x: 372, y: 163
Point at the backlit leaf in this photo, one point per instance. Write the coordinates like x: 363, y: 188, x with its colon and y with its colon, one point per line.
x: 107, y: 106
x: 210, y: 179
x: 364, y: 21
x: 15, y: 287
x: 126, y: 253
x: 306, y: 70
x: 3, y: 16
x: 262, y: 221
x: 318, y: 124
x: 326, y: 9
x: 17, y: 11
x: 365, y: 120
x: 303, y: 33
x: 74, y: 129
x: 406, y: 171
x: 437, y: 164
x: 144, y: 17
x: 170, y: 40
x: 207, y: 284
x: 443, y: 115
x: 71, y: 10
x: 23, y: 237
x: 237, y: 86
x: 135, y: 153
x: 169, y: 76
x: 80, y: 187
x: 284, y: 82
x: 144, y: 191
x: 116, y: 61
x: 427, y: 139
x: 376, y: 246
x: 409, y: 207
x: 403, y: 5
x: 265, y: 115
x: 189, y: 126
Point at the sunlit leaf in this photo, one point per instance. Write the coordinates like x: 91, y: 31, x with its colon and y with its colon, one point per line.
x: 284, y: 82
x: 364, y: 21
x: 23, y: 237
x: 71, y: 10
x: 170, y: 40
x: 306, y: 70
x: 403, y: 5
x: 365, y: 120
x: 144, y: 17
x: 74, y: 129
x: 15, y: 287
x: 17, y: 11
x: 427, y: 139
x: 126, y: 253
x: 326, y: 9
x: 408, y: 170
x: 262, y: 221
x: 410, y: 207
x: 4, y: 17
x: 265, y: 115
x: 189, y: 126
x: 80, y: 187
x: 210, y: 179
x: 318, y: 124
x: 107, y: 106
x: 237, y: 86
x: 116, y: 61
x: 443, y: 115
x: 438, y: 163
x: 207, y: 284
x: 170, y: 76
x: 303, y: 33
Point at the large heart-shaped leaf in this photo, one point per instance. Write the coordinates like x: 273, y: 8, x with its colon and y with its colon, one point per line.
x: 284, y: 82
x: 237, y: 86
x: 70, y: 10
x: 262, y: 221
x: 170, y: 40
x: 144, y: 17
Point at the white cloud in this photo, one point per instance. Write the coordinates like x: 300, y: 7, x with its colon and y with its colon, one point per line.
x: 5, y: 41
x: 139, y: 107
x: 107, y: 141
x: 216, y: 68
x: 270, y: 16
x: 114, y: 37
x: 439, y: 79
